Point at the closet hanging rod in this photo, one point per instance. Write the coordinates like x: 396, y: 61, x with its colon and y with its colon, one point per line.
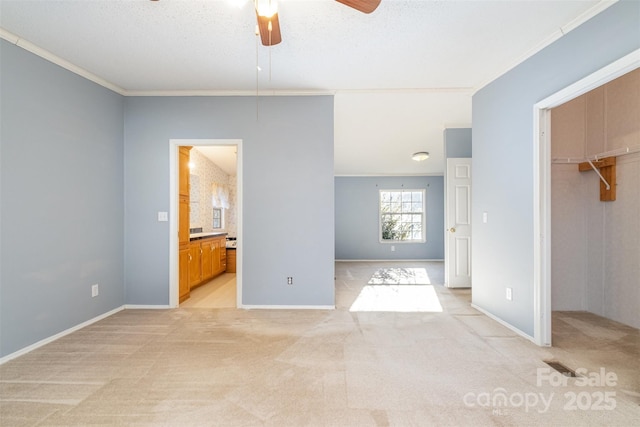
x: 618, y: 152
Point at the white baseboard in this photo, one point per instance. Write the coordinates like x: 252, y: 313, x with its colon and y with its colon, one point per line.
x: 446, y: 285
x: 389, y: 260
x: 146, y: 307
x: 59, y: 335
x: 503, y: 323
x: 288, y: 307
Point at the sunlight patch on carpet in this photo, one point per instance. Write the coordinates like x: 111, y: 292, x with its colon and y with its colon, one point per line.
x: 398, y: 298
x: 400, y: 276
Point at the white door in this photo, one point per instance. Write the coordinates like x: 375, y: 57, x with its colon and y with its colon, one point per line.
x: 457, y: 260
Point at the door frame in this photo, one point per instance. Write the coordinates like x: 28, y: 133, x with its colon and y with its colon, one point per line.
x: 173, y: 216
x: 542, y: 186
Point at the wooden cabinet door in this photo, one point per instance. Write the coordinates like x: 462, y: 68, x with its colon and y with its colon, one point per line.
x: 183, y: 171
x: 207, y: 266
x: 223, y: 255
x: 183, y: 221
x: 215, y: 256
x: 195, y: 266
x: 183, y: 280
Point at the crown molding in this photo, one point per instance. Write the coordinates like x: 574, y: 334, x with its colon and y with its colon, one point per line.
x: 208, y: 92
x: 45, y: 54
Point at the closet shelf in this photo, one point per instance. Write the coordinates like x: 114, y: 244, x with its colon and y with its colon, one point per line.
x: 596, y: 157
x: 604, y: 164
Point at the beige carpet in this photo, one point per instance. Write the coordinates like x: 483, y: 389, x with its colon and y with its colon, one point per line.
x: 229, y: 367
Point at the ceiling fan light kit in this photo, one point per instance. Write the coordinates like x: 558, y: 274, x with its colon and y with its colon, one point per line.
x: 266, y: 8
x: 269, y: 25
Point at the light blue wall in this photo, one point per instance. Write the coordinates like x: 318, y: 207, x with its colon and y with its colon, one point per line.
x: 503, y: 155
x: 61, y: 194
x: 288, y: 200
x: 357, y: 218
x: 457, y: 143
x: 84, y: 172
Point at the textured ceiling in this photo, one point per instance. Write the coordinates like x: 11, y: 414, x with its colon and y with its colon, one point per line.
x: 401, y: 74
x: 224, y: 156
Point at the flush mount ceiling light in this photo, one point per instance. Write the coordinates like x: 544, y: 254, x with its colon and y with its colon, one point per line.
x: 420, y: 156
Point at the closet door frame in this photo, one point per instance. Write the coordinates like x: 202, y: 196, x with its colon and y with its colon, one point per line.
x: 542, y: 186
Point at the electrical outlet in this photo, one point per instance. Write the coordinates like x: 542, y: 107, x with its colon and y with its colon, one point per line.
x: 94, y: 290
x: 393, y: 248
x: 289, y: 280
x: 509, y: 294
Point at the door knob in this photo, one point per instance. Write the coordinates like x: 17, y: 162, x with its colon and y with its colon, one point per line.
x: 453, y: 229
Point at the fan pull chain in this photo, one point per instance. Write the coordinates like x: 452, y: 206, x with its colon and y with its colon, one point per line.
x: 270, y: 29
x: 270, y: 44
x: 257, y: 73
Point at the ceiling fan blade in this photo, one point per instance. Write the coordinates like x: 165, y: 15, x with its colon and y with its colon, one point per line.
x: 364, y: 6
x: 269, y: 37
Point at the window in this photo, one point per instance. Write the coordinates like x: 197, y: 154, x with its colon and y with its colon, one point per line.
x: 217, y: 218
x: 402, y: 216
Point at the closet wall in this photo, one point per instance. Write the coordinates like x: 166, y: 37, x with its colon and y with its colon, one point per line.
x: 595, y: 245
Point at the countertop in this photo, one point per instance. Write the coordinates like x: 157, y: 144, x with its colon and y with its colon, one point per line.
x: 204, y: 235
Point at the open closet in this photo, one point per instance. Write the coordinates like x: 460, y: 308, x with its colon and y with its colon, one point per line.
x: 595, y: 202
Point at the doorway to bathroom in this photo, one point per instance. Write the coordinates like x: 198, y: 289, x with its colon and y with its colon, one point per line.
x: 217, y: 186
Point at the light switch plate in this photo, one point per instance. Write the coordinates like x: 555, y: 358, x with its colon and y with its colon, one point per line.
x: 163, y: 216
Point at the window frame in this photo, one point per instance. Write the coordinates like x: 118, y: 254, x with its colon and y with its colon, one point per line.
x: 221, y: 218
x: 423, y: 223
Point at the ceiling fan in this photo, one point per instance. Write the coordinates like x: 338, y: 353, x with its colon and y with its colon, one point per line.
x: 269, y: 26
